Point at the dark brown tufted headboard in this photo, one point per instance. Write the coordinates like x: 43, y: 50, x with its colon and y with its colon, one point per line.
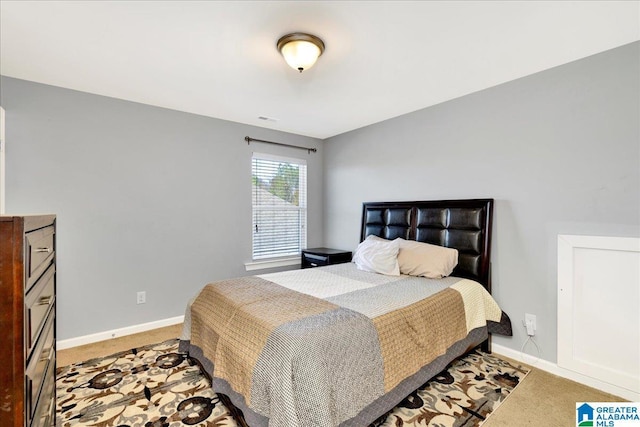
x: 461, y: 224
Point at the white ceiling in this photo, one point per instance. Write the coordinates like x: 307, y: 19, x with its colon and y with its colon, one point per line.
x: 382, y: 58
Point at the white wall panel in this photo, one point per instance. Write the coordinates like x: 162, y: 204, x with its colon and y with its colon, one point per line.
x: 599, y: 308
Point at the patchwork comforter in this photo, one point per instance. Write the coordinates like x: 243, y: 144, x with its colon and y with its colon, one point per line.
x: 332, y: 346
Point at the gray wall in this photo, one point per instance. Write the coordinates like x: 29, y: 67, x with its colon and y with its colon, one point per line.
x: 559, y: 151
x: 157, y: 200
x: 147, y: 199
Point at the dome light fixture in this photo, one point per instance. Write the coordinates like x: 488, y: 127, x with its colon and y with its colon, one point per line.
x: 300, y: 50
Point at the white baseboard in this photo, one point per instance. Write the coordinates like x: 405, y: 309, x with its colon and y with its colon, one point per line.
x: 101, y: 336
x: 566, y: 373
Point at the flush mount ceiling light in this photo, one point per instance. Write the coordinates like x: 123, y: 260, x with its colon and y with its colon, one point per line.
x: 300, y: 50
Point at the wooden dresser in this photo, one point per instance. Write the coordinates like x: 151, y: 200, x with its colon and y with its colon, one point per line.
x: 27, y: 320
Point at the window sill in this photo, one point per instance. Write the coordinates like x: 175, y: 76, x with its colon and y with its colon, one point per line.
x: 272, y: 263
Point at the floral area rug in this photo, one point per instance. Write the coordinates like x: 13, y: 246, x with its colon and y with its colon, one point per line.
x: 463, y: 395
x: 157, y: 386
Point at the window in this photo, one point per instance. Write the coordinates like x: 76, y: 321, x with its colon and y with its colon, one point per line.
x: 279, y: 194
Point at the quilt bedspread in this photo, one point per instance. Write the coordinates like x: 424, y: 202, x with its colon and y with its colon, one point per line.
x: 315, y: 347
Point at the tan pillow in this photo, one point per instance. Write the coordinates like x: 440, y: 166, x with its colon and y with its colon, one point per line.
x: 424, y: 259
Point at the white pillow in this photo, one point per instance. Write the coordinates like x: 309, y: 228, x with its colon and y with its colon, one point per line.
x: 378, y: 256
x: 424, y: 259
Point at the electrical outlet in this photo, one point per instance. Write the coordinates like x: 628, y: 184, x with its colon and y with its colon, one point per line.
x: 141, y: 297
x: 530, y: 323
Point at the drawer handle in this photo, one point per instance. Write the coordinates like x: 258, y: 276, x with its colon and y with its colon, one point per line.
x: 45, y: 300
x: 45, y: 354
x: 47, y: 250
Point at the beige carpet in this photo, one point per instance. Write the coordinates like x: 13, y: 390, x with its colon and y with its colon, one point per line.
x: 544, y: 399
x: 541, y: 399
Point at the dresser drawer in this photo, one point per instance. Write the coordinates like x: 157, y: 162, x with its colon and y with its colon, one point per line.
x: 37, y: 367
x: 44, y: 414
x: 37, y: 303
x: 313, y: 260
x: 39, y: 253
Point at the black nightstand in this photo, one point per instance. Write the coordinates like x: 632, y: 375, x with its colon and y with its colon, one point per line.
x: 316, y: 257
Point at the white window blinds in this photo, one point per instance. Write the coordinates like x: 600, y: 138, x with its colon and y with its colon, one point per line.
x: 279, y: 194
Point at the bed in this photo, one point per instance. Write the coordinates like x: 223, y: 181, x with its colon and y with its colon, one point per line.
x: 340, y: 345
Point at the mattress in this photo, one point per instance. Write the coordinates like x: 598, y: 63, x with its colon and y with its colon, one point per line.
x: 332, y: 346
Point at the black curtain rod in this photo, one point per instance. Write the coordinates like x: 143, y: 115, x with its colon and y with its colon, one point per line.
x: 309, y: 150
